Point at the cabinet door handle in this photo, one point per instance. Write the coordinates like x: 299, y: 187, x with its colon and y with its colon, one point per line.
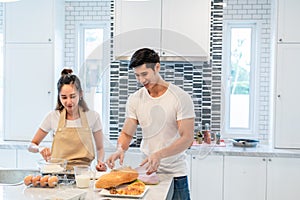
x: 270, y: 160
x: 280, y: 39
x: 264, y: 159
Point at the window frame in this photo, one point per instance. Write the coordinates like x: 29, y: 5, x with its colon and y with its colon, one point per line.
x: 252, y: 131
x: 81, y: 26
x: 79, y: 59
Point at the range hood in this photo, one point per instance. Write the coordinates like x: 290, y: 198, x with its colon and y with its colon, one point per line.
x: 180, y: 32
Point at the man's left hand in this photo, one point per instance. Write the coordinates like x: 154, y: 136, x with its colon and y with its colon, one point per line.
x: 152, y: 162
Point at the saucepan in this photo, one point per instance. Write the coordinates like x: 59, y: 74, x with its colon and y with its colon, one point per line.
x: 242, y: 142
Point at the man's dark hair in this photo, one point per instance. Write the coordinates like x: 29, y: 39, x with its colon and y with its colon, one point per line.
x: 144, y: 56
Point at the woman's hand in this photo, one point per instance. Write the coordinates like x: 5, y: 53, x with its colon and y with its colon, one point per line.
x: 45, y: 152
x: 101, y: 166
x: 34, y: 148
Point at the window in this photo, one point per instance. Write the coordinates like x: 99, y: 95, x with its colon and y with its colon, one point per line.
x: 93, y: 59
x: 239, y: 78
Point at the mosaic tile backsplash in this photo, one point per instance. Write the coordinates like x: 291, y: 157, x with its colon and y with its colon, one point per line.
x: 194, y: 78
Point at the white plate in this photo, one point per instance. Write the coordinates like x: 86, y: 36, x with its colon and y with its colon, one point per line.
x: 105, y: 192
x: 99, y: 174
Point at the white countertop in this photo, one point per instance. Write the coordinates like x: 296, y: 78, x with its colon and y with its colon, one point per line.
x: 163, y: 190
x: 228, y: 149
x: 261, y: 150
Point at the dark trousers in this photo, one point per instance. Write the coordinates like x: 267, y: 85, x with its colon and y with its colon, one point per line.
x: 181, y: 188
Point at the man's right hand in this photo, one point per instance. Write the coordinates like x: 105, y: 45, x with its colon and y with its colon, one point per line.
x: 119, y: 154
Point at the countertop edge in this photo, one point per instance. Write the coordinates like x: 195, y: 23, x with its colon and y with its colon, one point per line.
x: 230, y: 150
x: 261, y: 150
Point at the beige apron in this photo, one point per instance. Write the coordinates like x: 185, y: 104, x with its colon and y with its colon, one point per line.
x: 73, y: 143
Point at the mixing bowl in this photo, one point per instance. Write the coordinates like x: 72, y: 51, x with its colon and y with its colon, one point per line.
x: 54, y: 165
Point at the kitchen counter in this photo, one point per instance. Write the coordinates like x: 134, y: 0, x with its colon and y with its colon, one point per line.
x: 261, y: 150
x: 163, y: 190
x: 228, y: 149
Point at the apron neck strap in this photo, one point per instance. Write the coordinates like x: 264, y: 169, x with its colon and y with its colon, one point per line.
x: 84, y: 122
x: 63, y: 114
x: 62, y: 119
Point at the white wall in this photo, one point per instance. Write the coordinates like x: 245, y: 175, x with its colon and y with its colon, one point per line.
x: 77, y: 12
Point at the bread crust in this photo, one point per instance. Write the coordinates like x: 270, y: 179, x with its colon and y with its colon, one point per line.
x: 117, y: 177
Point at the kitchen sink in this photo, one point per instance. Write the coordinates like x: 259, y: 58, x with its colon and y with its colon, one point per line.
x: 14, y: 176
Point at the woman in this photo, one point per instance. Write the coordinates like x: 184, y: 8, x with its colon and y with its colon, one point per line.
x: 76, y: 127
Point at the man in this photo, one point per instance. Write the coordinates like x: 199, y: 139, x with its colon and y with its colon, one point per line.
x: 166, y: 115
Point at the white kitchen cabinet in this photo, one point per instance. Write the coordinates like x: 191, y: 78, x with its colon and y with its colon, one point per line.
x: 288, y: 14
x: 31, y: 21
x: 171, y: 27
x: 287, y: 110
x: 30, y: 61
x: 29, y: 89
x: 137, y: 25
x: 189, y: 163
x: 283, y: 178
x: 207, y: 177
x: 8, y: 158
x: 244, y: 178
x: 28, y: 160
x: 287, y: 95
x: 261, y: 178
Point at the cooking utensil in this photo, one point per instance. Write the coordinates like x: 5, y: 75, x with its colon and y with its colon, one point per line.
x: 242, y: 142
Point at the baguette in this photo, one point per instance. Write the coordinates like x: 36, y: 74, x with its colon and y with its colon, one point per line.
x: 117, y: 177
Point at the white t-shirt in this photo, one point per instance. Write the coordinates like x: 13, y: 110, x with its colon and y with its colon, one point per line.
x: 50, y: 122
x: 158, y: 119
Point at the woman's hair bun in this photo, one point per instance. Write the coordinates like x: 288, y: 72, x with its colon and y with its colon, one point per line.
x: 66, y: 71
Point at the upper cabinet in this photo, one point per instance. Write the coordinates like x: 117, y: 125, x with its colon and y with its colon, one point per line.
x: 288, y: 14
x: 287, y: 95
x: 174, y: 28
x: 31, y: 21
x: 33, y: 50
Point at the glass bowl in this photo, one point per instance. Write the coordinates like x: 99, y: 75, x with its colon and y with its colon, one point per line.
x: 54, y: 165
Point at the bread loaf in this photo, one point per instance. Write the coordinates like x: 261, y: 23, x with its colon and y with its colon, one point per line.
x: 117, y: 177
